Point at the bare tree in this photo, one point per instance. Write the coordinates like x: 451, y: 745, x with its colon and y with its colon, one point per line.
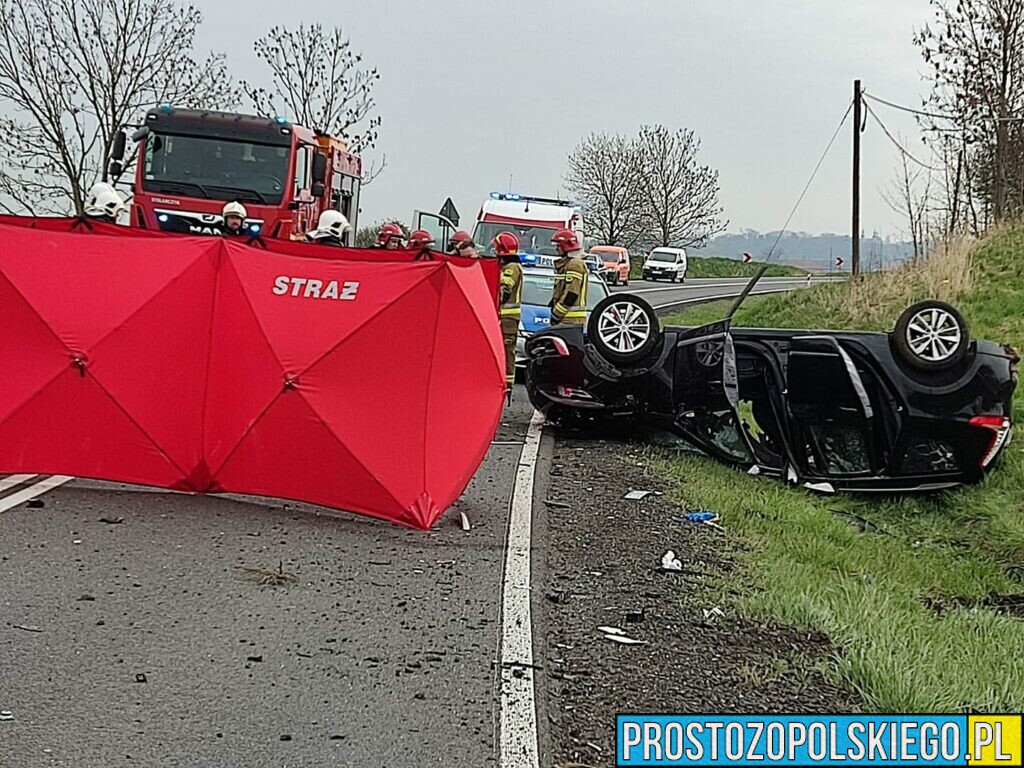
x: 605, y: 176
x: 319, y: 80
x: 680, y: 196
x: 73, y: 73
x: 909, y: 195
x: 975, y: 53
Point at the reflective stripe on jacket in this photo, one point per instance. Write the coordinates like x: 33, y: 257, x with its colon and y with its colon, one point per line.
x: 571, y: 278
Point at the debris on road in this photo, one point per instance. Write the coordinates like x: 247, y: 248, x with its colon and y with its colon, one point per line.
x: 112, y: 520
x: 464, y: 519
x: 27, y: 628
x: 557, y: 504
x: 670, y: 562
x: 640, y: 495
x: 610, y: 630
x: 257, y: 659
x: 141, y: 678
x: 711, y: 614
x: 36, y: 504
x: 270, y: 577
x: 701, y: 517
x: 6, y: 715
x: 754, y: 470
x: 623, y: 640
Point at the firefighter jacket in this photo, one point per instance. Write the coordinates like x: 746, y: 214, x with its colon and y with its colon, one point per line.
x: 569, y: 300
x: 511, y: 289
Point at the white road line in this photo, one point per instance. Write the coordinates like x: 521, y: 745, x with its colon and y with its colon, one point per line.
x: 518, y: 699
x: 13, y: 480
x: 38, y: 489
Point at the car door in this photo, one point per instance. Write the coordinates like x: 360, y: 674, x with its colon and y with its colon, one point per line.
x: 705, y: 393
x: 837, y: 429
x: 438, y: 226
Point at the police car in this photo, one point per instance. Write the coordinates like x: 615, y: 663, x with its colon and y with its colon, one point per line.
x: 538, y: 284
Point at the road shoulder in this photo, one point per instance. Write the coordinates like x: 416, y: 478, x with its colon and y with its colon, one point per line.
x: 601, y: 567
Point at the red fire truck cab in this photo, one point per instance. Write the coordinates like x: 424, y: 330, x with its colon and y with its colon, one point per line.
x: 189, y: 163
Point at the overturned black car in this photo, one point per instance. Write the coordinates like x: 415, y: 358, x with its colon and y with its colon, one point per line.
x: 922, y: 407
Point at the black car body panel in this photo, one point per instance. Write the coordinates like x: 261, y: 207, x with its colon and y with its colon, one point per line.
x: 830, y: 409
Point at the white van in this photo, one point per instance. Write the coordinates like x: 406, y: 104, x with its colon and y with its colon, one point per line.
x: 666, y: 262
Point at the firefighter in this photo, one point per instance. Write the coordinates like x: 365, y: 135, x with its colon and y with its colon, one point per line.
x: 330, y: 229
x: 234, y: 214
x: 390, y: 237
x: 104, y: 203
x: 569, y: 298
x: 457, y: 239
x: 420, y: 240
x: 467, y: 249
x: 506, y: 248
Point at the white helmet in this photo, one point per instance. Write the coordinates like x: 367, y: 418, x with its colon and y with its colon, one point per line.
x: 330, y: 224
x: 104, y: 200
x: 234, y: 208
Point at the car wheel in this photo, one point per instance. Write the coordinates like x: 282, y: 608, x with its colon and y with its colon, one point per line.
x: 624, y: 329
x: 675, y: 278
x: 931, y: 336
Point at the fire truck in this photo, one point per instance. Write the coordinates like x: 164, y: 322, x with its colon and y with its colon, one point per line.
x: 189, y: 163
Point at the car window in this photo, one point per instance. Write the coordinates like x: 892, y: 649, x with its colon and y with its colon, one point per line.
x: 662, y: 256
x: 721, y: 429
x: 537, y: 289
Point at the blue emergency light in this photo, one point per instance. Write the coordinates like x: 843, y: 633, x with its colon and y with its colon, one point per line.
x: 165, y: 108
x: 163, y: 217
x: 254, y: 228
x: 281, y: 120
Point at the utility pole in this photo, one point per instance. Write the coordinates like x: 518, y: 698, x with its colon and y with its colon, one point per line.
x: 855, y: 239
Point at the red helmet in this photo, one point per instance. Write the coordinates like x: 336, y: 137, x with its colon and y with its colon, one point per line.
x: 459, y: 237
x: 506, y: 244
x: 389, y: 232
x: 421, y: 239
x: 566, y: 241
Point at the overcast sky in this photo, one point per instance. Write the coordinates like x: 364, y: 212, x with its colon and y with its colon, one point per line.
x: 473, y: 91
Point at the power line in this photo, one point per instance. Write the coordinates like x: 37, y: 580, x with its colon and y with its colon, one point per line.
x: 899, y: 146
x: 937, y: 115
x: 807, y: 186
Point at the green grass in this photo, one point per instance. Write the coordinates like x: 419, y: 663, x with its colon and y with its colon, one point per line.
x: 873, y: 593
x: 716, y: 266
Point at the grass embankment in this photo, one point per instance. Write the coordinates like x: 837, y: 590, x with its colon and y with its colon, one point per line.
x: 716, y: 266
x: 905, y: 587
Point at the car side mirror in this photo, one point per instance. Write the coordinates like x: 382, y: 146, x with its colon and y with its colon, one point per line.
x: 319, y: 175
x: 318, y: 189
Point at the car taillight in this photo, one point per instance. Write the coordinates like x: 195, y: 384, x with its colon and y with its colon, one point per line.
x: 999, y: 426
x: 548, y: 345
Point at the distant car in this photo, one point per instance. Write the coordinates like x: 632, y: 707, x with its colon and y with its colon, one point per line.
x: 668, y: 263
x: 922, y: 407
x: 538, y: 284
x: 616, y: 263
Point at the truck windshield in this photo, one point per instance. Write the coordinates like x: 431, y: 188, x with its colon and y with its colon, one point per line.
x: 531, y: 239
x: 221, y: 169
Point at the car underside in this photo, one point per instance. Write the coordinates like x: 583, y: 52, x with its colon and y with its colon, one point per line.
x: 920, y: 408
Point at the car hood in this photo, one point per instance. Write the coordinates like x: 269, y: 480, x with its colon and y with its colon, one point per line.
x: 535, y: 318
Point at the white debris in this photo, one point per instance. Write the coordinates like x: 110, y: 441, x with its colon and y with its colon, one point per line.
x: 670, y: 562
x: 754, y: 470
x: 637, y: 495
x: 623, y: 640
x: 611, y: 630
x: 6, y: 715
x: 710, y: 614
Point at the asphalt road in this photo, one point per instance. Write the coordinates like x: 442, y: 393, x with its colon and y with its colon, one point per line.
x: 132, y: 635
x: 382, y: 653
x: 667, y: 297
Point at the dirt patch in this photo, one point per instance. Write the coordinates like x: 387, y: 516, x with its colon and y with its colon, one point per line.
x: 1005, y: 605
x: 603, y: 569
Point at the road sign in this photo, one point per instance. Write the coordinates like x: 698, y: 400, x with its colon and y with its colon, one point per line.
x: 746, y: 258
x: 449, y: 212
x: 839, y: 261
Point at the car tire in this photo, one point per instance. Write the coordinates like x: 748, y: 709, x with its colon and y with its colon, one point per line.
x: 674, y: 278
x: 931, y: 336
x: 624, y: 329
